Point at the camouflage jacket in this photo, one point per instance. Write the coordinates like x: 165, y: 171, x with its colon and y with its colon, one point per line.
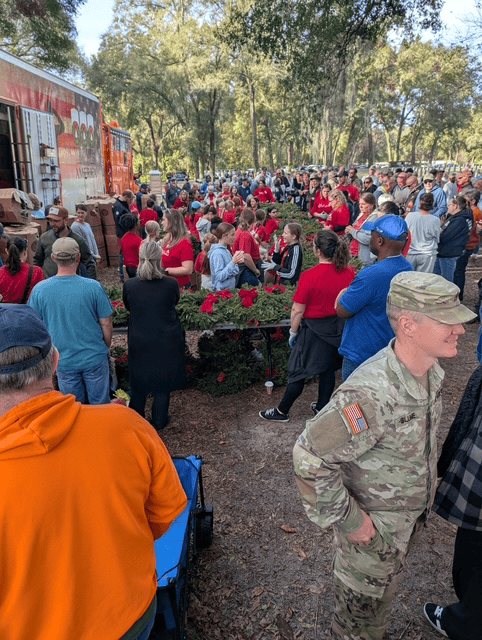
x: 373, y: 448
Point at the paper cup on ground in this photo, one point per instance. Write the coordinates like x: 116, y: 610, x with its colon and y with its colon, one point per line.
x: 269, y: 387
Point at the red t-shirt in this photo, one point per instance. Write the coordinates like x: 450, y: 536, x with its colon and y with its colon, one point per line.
x: 245, y: 242
x: 191, y: 225
x: 264, y: 194
x: 319, y: 287
x: 131, y: 244
x: 175, y: 256
x: 198, y: 267
x: 271, y: 226
x: 339, y: 218
x: 229, y: 217
x: 261, y: 233
x: 351, y: 190
x: 179, y: 204
x: 320, y: 205
x: 146, y: 215
x: 12, y: 287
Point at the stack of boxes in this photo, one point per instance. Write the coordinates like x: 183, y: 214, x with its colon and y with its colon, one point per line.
x: 17, y: 220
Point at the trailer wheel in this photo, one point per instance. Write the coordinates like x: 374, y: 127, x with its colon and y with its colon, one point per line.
x: 204, y: 528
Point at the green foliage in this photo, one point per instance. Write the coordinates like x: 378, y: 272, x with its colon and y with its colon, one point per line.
x: 40, y: 31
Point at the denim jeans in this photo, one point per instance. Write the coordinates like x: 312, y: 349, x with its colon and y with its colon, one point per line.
x: 89, y: 385
x: 445, y: 267
x: 248, y: 277
x: 347, y: 368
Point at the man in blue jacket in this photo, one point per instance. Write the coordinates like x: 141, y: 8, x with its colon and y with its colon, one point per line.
x: 440, y: 199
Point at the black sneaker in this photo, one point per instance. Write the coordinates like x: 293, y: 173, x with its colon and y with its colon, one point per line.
x: 433, y: 613
x: 274, y: 415
x: 313, y: 408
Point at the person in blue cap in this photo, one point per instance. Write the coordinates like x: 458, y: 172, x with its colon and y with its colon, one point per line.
x: 363, y: 303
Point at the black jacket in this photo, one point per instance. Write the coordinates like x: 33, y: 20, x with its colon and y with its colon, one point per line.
x: 455, y: 234
x: 291, y: 259
x: 119, y: 209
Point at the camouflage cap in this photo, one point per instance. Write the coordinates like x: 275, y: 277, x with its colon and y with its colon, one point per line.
x: 429, y: 294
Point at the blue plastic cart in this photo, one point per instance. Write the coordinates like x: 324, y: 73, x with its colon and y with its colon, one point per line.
x: 173, y: 551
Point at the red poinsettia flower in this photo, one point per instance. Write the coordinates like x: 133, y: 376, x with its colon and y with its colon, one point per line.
x: 117, y: 303
x: 221, y: 377
x: 269, y: 289
x: 278, y: 334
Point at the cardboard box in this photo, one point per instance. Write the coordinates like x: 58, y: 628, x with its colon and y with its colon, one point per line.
x: 27, y: 232
x: 106, y: 215
x: 112, y: 245
x: 15, y: 207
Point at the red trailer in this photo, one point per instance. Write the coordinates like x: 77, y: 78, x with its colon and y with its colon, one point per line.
x: 51, y: 140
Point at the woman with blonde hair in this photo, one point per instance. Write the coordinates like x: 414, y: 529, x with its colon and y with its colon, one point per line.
x: 152, y: 230
x: 155, y: 335
x: 177, y: 250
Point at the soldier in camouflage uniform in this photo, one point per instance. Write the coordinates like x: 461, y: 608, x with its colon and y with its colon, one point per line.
x: 367, y: 463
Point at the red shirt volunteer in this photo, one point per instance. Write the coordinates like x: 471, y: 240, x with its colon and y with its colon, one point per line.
x: 146, y: 215
x: 174, y: 257
x: 246, y: 243
x: 131, y: 244
x: 12, y: 288
x: 318, y: 288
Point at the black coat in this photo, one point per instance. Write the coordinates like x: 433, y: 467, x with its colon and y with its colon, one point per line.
x: 155, y: 336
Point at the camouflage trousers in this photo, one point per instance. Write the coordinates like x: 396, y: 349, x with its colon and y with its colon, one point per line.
x: 366, y: 581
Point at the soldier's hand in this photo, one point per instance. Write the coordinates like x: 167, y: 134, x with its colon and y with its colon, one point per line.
x: 365, y: 534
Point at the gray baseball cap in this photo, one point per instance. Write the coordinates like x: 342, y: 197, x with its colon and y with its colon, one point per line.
x: 429, y: 294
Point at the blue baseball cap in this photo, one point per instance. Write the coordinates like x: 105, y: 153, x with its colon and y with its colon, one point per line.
x: 389, y: 226
x: 21, y: 326
x: 196, y: 205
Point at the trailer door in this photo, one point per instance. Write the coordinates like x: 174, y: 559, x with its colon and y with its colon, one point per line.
x: 41, y: 142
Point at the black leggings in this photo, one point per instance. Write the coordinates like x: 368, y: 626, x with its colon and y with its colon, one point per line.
x: 326, y: 385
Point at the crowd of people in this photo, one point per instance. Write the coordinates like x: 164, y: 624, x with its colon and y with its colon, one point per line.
x: 366, y: 462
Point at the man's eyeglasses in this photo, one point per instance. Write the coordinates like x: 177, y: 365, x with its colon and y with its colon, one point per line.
x: 428, y: 181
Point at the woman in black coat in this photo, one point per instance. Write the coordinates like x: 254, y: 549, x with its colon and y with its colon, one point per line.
x: 155, y: 336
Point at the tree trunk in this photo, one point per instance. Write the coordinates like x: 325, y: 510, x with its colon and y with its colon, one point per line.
x: 265, y: 122
x: 252, y: 108
x: 370, y: 145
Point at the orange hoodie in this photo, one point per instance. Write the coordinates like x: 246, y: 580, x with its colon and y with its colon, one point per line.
x: 85, y: 491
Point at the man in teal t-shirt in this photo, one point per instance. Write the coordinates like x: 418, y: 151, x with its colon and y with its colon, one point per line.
x: 78, y: 316
x: 363, y: 304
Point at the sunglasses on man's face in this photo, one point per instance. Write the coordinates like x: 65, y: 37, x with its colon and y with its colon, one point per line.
x: 427, y: 181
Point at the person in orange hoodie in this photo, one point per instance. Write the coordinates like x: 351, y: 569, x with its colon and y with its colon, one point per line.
x: 85, y: 492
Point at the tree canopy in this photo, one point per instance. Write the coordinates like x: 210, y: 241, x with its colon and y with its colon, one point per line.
x: 40, y: 31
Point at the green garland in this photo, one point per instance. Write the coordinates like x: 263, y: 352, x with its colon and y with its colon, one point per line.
x: 268, y: 307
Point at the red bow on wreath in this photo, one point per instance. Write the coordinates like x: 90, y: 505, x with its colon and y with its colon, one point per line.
x: 225, y: 294
x: 248, y: 297
x: 207, y: 305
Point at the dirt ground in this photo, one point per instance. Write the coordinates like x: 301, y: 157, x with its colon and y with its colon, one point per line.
x: 257, y: 581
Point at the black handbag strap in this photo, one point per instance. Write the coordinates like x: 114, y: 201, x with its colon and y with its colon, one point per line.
x: 27, y: 287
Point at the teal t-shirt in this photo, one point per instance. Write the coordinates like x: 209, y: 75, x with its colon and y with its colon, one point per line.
x: 70, y: 307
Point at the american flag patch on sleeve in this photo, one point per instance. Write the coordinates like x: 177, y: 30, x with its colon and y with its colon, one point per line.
x: 355, y: 418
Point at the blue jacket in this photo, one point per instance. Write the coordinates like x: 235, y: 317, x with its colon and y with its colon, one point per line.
x: 223, y: 271
x: 440, y: 201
